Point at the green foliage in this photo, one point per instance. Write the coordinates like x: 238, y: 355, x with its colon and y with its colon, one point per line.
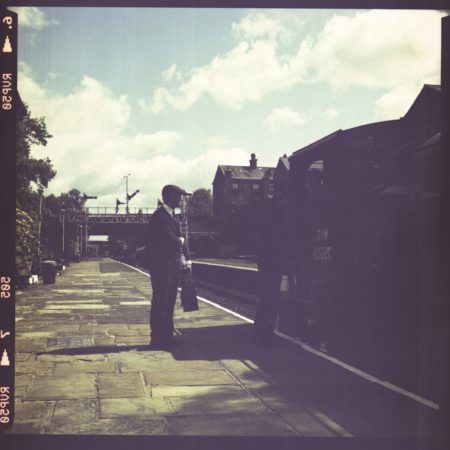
x: 31, y: 171
x: 200, y: 210
x: 27, y: 242
x: 200, y: 204
x: 70, y: 206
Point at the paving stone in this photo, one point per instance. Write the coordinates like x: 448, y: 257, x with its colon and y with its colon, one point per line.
x: 69, y: 342
x: 32, y: 417
x: 23, y: 380
x: 30, y: 346
x: 34, y: 367
x: 57, y: 387
x: 66, y: 328
x: 21, y: 391
x: 191, y: 391
x: 67, y: 358
x: 62, y: 308
x: 213, y: 403
x: 136, y: 340
x: 70, y: 414
x: 139, y: 326
x: 188, y: 378
x: 83, y: 367
x: 103, y: 341
x: 247, y: 375
x: 135, y: 407
x: 167, y: 363
x: 120, y: 385
x: 36, y: 334
x: 305, y: 419
x: 22, y: 357
x: 123, y: 333
x: 153, y: 426
x: 264, y: 424
x: 104, y: 327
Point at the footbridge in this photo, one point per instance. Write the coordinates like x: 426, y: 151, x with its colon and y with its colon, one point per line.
x: 103, y: 220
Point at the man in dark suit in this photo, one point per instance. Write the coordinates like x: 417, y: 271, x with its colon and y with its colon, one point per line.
x: 167, y: 262
x: 274, y: 261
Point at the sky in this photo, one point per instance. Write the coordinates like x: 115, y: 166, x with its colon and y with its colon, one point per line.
x: 167, y: 94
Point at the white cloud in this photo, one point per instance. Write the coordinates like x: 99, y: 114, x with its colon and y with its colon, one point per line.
x: 257, y: 26
x: 245, y: 74
x: 284, y: 116
x: 396, y: 102
x: 377, y: 49
x: 91, y: 150
x: 34, y: 18
x: 373, y: 49
x: 54, y: 75
x: 332, y: 113
x: 172, y: 73
x: 217, y: 141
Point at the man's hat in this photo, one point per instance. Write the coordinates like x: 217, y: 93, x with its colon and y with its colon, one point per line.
x: 172, y: 189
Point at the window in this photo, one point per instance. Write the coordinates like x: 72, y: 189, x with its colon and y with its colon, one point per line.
x: 256, y: 187
x: 235, y: 186
x: 270, y: 187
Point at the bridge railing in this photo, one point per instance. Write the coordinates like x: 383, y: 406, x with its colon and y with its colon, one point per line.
x: 111, y: 210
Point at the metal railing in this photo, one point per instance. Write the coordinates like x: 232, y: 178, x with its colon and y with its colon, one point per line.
x: 111, y: 210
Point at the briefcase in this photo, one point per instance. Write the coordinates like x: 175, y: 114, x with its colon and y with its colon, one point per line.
x: 189, y: 299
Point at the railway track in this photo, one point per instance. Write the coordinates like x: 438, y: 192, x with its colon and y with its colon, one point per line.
x: 229, y: 285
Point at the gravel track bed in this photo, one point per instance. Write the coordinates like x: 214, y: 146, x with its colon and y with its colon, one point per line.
x: 241, y: 306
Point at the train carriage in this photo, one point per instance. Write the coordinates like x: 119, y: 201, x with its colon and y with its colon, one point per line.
x: 359, y: 199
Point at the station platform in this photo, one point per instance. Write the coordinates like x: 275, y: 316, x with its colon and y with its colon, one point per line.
x: 84, y: 367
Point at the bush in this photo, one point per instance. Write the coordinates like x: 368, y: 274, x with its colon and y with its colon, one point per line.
x: 27, y: 244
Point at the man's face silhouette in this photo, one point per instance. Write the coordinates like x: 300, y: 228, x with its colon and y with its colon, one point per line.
x: 173, y: 200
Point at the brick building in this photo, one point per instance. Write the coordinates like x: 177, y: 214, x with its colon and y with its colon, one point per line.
x: 240, y: 186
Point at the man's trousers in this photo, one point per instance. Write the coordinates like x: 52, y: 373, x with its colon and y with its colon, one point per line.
x: 164, y: 286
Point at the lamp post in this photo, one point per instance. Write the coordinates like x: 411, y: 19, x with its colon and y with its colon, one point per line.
x: 84, y: 199
x: 80, y: 233
x: 86, y: 237
x: 62, y: 218
x: 126, y: 192
x: 40, y: 192
x: 128, y: 196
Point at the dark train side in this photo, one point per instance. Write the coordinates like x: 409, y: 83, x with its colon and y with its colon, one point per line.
x: 365, y: 221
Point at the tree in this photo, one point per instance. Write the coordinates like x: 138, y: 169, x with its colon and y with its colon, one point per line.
x: 68, y: 207
x: 31, y: 172
x: 27, y: 245
x: 200, y: 210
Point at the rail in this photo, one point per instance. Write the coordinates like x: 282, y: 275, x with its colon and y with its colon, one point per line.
x: 237, y: 279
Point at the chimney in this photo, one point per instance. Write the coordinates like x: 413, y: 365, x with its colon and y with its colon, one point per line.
x: 253, y: 161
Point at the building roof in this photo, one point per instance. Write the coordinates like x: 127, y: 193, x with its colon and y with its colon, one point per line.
x: 427, y: 89
x: 315, y: 144
x: 284, y: 160
x: 436, y: 87
x: 245, y: 172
